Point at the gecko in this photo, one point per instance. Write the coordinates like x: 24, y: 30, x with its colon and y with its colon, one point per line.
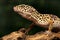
x: 45, y: 20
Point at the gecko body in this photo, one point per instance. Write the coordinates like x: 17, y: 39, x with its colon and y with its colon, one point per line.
x: 32, y: 14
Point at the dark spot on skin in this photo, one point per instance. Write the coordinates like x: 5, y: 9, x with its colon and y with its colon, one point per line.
x: 28, y: 15
x: 42, y: 20
x: 39, y: 18
x: 41, y: 15
x: 30, y: 10
x: 25, y: 9
x: 53, y: 22
x: 54, y: 17
x: 47, y: 17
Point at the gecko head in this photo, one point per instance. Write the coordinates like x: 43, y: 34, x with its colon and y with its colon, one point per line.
x: 24, y: 10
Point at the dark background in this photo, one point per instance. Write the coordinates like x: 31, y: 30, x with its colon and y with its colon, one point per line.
x: 11, y: 21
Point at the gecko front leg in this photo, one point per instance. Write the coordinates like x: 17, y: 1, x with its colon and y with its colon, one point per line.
x: 30, y: 27
x: 49, y: 28
x: 50, y: 25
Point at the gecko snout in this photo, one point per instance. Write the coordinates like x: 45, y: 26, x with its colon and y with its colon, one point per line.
x: 15, y: 9
x: 19, y: 8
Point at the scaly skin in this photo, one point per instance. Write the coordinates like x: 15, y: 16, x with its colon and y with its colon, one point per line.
x: 44, y: 20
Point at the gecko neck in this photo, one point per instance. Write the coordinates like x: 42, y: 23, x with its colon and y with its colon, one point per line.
x: 36, y: 15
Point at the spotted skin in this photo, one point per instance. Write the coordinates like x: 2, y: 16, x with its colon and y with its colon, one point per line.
x: 32, y: 14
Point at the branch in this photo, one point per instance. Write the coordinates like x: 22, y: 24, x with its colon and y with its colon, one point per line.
x: 20, y: 35
x: 43, y: 36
